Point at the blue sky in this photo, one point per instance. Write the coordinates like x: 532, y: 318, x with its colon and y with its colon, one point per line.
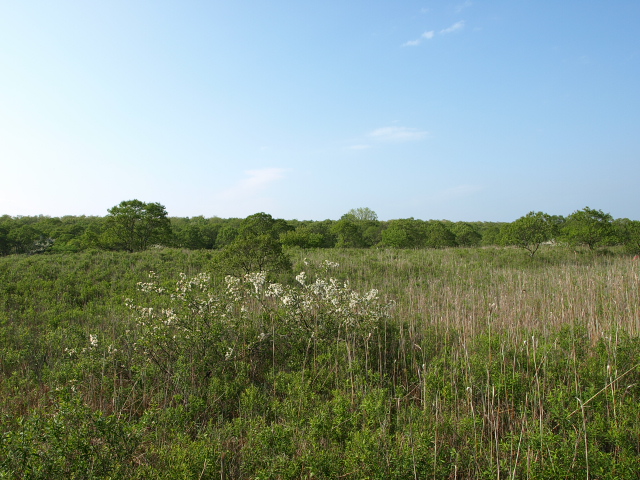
x: 461, y: 110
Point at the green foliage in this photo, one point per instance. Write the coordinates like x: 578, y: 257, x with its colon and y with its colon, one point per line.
x: 395, y: 236
x: 67, y: 439
x: 349, y: 234
x: 195, y: 233
x: 589, y: 227
x: 262, y: 224
x: 23, y: 235
x: 361, y: 214
x: 256, y: 247
x: 437, y: 235
x: 490, y: 234
x: 134, y: 226
x: 228, y: 233
x: 486, y: 365
x: 628, y: 232
x: 209, y: 329
x: 358, y: 228
x: 466, y: 234
x: 529, y: 232
x: 403, y: 233
x: 302, y: 237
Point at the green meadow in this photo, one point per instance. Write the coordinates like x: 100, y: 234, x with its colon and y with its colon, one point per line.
x: 392, y: 364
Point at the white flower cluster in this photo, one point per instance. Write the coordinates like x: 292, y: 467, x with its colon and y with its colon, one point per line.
x: 328, y: 298
x: 149, y: 287
x: 328, y: 264
x: 274, y: 290
x: 233, y: 317
x: 186, y: 285
x: 72, y: 352
x: 256, y: 279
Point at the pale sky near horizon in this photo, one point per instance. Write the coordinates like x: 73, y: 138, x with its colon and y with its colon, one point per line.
x: 460, y: 110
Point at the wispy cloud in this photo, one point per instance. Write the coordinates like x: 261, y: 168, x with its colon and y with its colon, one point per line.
x: 425, y: 36
x: 247, y: 195
x: 428, y: 35
x: 257, y: 180
x: 397, y: 134
x: 384, y: 135
x: 460, y: 191
x: 412, y: 43
x: 464, y: 5
x: 453, y: 28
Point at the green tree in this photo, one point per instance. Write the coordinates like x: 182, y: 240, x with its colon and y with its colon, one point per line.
x: 529, y: 232
x: 228, y: 232
x: 256, y: 248
x: 358, y: 228
x: 490, y: 232
x: 395, y: 237
x: 589, y: 227
x: 5, y: 242
x: 349, y: 234
x: 263, y: 224
x: 362, y: 213
x: 323, y: 228
x: 302, y: 237
x: 194, y: 233
x: 403, y: 233
x: 25, y: 237
x: 437, y: 235
x: 134, y: 225
x: 466, y: 234
x: 629, y: 234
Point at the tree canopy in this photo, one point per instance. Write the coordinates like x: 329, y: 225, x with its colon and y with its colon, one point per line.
x: 362, y: 213
x: 256, y: 247
x: 589, y: 227
x: 134, y: 225
x: 529, y: 232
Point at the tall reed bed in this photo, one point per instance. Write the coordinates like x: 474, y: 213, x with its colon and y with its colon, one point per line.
x: 470, y: 290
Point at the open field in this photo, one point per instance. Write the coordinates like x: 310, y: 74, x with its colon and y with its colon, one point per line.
x: 468, y: 363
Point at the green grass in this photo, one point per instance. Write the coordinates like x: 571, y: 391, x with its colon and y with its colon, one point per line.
x: 492, y: 365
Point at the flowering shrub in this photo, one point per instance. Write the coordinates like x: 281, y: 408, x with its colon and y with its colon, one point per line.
x: 326, y: 307
x: 198, y: 330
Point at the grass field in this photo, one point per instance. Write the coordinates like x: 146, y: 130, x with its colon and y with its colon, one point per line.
x: 468, y: 363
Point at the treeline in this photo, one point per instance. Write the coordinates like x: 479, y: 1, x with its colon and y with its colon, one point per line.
x: 134, y: 226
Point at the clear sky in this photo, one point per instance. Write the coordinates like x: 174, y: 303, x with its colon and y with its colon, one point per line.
x: 460, y: 110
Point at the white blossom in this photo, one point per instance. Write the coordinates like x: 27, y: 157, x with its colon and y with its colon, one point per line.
x: 274, y: 290
x: 229, y: 354
x: 256, y: 279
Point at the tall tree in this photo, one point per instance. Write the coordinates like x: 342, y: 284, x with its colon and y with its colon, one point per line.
x: 466, y: 234
x: 134, y: 225
x: 589, y: 227
x: 256, y: 248
x: 628, y: 232
x: 349, y: 233
x: 362, y: 213
x: 529, y: 232
x: 404, y: 233
x: 438, y: 235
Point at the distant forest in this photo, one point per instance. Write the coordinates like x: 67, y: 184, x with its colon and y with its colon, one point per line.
x: 134, y: 225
